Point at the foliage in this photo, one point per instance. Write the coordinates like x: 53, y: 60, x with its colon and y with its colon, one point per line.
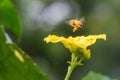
x: 96, y: 76
x: 9, y: 17
x: 14, y: 63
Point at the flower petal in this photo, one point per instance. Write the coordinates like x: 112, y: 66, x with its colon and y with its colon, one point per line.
x: 77, y: 45
x: 53, y: 39
x: 84, y: 42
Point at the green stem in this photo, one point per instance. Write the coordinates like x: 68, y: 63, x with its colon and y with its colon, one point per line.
x: 73, y: 64
x: 70, y: 69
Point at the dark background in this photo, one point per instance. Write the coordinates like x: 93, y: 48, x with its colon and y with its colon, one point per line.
x: 39, y: 18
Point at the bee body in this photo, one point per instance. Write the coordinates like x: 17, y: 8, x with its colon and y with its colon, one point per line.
x: 75, y: 23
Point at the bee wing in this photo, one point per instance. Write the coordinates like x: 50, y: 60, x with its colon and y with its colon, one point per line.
x: 82, y: 19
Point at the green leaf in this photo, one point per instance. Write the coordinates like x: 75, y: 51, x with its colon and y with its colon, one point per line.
x: 96, y: 76
x: 2, y: 35
x: 15, y: 64
x: 9, y: 17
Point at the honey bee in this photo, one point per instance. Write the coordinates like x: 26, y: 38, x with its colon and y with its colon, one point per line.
x: 76, y: 23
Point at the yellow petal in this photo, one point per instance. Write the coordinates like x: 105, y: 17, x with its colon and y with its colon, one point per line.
x: 53, y: 39
x: 84, y: 42
x: 77, y: 45
x: 79, y: 41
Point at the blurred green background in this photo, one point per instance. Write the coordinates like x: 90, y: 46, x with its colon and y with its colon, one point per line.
x: 40, y: 18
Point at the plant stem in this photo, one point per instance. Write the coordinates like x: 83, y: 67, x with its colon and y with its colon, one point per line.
x: 70, y: 69
x: 73, y: 64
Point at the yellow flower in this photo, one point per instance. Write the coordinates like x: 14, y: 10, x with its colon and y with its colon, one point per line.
x: 77, y: 45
